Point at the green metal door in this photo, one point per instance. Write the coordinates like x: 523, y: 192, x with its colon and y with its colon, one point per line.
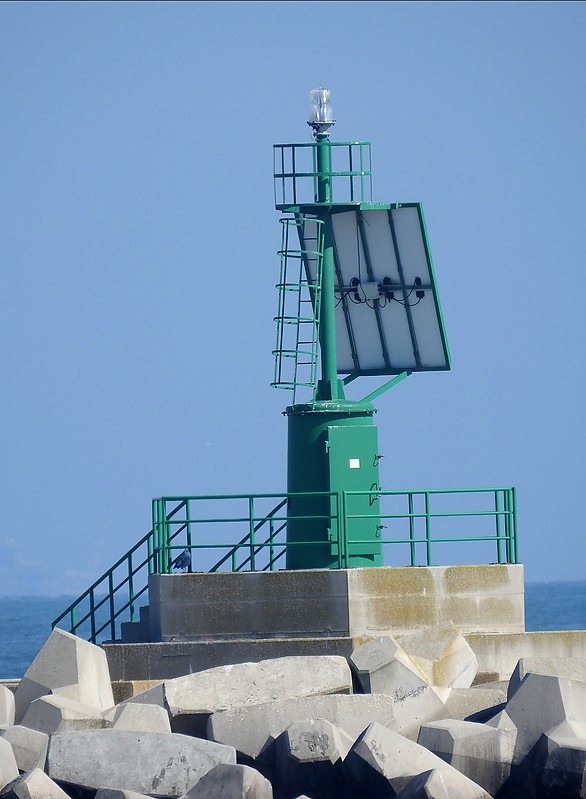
x: 353, y: 466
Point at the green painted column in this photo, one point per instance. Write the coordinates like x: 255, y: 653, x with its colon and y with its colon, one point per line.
x: 328, y: 387
x: 333, y: 443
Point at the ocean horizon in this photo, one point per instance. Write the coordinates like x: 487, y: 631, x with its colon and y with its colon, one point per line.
x: 25, y: 621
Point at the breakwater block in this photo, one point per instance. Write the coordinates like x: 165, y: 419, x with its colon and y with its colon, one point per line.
x: 564, y: 759
x: 8, y: 767
x: 299, y: 731
x: 68, y: 666
x: 111, y: 793
x: 29, y: 746
x: 236, y: 782
x: 57, y: 713
x: 7, y: 706
x: 462, y: 702
x: 383, y: 667
x: 570, y: 668
x: 251, y: 729
x: 34, y: 785
x: 443, y: 655
x: 382, y: 759
x: 308, y: 757
x: 152, y: 763
x: 481, y: 753
x: 432, y: 784
x: 228, y: 687
x: 139, y: 717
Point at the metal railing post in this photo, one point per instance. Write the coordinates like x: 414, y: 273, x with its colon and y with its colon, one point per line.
x: 427, y: 529
x: 130, y: 587
x: 150, y: 551
x: 188, y: 538
x: 514, y: 525
x: 157, y: 562
x: 166, y: 565
x: 497, y: 509
x: 342, y: 528
x: 92, y: 617
x: 411, y: 529
x: 111, y: 603
x: 251, y: 529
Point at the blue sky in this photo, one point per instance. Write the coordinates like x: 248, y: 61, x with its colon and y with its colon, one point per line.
x: 138, y: 242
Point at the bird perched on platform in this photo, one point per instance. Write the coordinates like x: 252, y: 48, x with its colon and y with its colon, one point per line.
x: 183, y: 561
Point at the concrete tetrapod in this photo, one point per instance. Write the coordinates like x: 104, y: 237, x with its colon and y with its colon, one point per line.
x: 383, y: 667
x: 429, y: 785
x: 33, y: 785
x: 231, y: 782
x: 69, y: 666
x: 141, y: 718
x: 308, y: 758
x: 464, y: 702
x: 229, y: 687
x: 166, y: 765
x: 568, y: 668
x: 8, y: 767
x: 29, y: 746
x: 371, y: 659
x: 540, y: 703
x: 482, y: 753
x: 7, y: 706
x: 443, y: 655
x: 564, y: 761
x: 249, y: 729
x: 382, y: 763
x: 113, y: 793
x: 154, y: 695
x: 56, y: 713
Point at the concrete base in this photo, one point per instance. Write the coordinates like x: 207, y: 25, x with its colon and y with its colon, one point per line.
x: 198, y: 621
x: 497, y: 654
x: 335, y: 602
x: 162, y: 661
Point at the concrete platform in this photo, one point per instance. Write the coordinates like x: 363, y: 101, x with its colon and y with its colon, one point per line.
x: 335, y: 602
x: 198, y: 621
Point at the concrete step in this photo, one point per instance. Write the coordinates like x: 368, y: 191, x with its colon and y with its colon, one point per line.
x: 132, y: 632
x: 497, y: 653
x: 164, y: 660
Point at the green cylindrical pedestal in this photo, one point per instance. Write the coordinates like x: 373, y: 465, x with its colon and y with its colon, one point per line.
x: 333, y: 447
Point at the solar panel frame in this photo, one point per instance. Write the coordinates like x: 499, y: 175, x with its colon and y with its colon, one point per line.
x: 385, y: 244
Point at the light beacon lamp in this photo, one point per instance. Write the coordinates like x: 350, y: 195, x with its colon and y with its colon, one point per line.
x: 321, y: 112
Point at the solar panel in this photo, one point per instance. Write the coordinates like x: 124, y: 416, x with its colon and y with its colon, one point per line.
x: 388, y: 316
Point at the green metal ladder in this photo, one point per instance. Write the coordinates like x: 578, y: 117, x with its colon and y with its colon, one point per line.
x: 296, y: 351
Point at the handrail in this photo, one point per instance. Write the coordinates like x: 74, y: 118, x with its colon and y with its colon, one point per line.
x: 111, y: 589
x: 114, y: 595
x: 295, y: 173
x: 244, y: 540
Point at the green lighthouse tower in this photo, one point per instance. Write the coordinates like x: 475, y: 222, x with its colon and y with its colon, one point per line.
x: 357, y: 297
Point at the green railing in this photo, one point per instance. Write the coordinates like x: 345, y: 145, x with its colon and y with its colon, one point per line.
x: 112, y: 598
x: 417, y: 528
x: 296, y: 173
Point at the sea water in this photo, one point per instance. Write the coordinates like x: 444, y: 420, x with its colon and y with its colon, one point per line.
x: 25, y: 622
